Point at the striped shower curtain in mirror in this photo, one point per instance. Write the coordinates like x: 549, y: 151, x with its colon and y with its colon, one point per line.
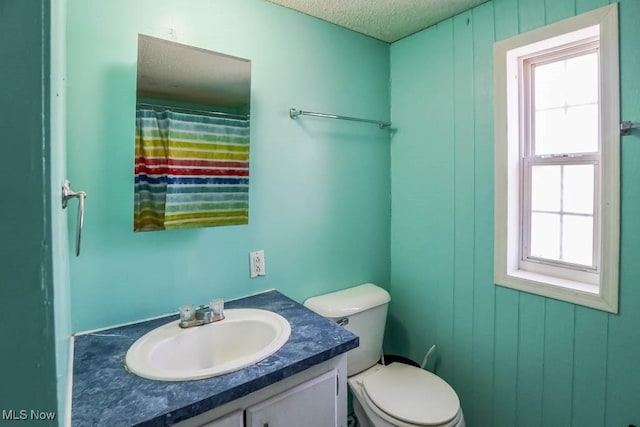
x: 191, y: 170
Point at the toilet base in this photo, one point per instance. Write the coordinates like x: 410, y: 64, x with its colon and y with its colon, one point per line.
x: 361, y: 416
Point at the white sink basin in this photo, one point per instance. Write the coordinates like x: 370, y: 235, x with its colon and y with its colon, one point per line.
x: 244, y: 337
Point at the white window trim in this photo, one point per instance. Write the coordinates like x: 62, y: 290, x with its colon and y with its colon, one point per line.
x: 603, y: 295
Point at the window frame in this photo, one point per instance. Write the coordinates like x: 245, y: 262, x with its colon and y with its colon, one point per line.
x: 594, y: 287
x: 578, y: 272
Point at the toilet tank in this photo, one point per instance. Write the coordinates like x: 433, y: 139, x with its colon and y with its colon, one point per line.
x: 362, y: 310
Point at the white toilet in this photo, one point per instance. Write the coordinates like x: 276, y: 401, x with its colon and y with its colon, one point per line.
x: 392, y: 395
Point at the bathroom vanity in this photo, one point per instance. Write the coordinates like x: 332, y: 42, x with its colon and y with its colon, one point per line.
x: 303, y: 383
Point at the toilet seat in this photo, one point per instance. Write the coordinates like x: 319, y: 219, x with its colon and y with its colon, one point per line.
x: 406, y: 395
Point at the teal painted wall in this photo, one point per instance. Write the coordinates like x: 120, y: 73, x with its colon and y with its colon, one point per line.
x: 320, y: 189
x: 28, y: 356
x: 515, y: 359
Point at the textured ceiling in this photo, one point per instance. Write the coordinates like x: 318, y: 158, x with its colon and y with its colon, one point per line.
x: 386, y: 20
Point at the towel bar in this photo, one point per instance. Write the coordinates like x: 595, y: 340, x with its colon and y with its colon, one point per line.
x: 627, y: 127
x: 67, y: 194
x: 295, y: 113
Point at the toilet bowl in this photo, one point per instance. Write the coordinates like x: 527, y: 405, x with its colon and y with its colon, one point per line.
x: 405, y: 396
x: 393, y: 395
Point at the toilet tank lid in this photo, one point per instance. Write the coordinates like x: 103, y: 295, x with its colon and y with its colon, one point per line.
x: 349, y: 301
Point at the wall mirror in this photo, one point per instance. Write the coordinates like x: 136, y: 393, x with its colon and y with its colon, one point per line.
x: 192, y: 137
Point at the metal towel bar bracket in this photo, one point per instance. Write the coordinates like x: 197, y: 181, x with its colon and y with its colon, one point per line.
x: 294, y: 113
x: 627, y: 127
x: 67, y: 194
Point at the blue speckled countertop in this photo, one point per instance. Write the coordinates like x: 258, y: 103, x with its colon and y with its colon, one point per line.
x: 105, y: 394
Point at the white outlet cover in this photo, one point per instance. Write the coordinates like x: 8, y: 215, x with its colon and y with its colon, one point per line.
x: 257, y: 264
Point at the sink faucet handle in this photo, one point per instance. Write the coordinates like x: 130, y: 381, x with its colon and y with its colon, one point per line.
x: 217, y: 306
x: 187, y: 313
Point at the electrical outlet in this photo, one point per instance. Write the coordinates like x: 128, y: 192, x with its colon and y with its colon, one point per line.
x: 257, y: 264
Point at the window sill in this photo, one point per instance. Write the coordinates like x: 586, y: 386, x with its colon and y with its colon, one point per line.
x: 553, y: 287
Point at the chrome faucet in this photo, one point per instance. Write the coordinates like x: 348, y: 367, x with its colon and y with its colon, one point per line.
x: 191, y: 316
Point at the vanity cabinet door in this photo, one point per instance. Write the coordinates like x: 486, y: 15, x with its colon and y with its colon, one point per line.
x: 234, y: 419
x: 311, y: 404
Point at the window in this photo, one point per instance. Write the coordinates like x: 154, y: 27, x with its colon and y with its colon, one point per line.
x: 557, y: 160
